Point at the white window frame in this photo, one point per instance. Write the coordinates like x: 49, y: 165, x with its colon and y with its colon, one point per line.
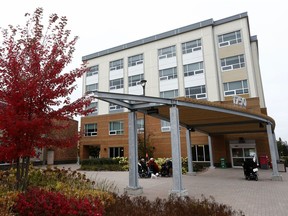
x: 167, y: 52
x: 93, y: 105
x: 135, y: 80
x: 228, y: 91
x: 201, y: 95
x: 113, y: 131
x: 116, y: 65
x: 92, y: 87
x: 88, y: 133
x: 191, y: 46
x: 165, y: 126
x: 116, y: 86
x: 229, y: 39
x: 93, y: 70
x: 174, y: 92
x: 226, y: 66
x: 135, y: 60
x: 189, y: 72
x: 167, y: 74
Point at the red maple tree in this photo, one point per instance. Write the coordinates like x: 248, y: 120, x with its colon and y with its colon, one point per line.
x: 34, y: 90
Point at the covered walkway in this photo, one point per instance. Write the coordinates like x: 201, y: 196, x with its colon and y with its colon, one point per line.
x: 211, y: 118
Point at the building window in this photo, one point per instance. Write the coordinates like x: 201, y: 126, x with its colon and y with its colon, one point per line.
x: 235, y: 88
x: 167, y: 52
x: 196, y: 92
x: 140, y: 125
x: 116, y: 152
x: 191, y: 46
x: 193, y: 69
x: 92, y: 71
x: 167, y: 74
x: 116, y: 128
x: 114, y: 107
x: 135, y: 80
x: 233, y: 62
x: 169, y: 94
x: 135, y: 60
x: 229, y: 38
x: 90, y: 129
x: 94, y: 106
x: 116, y: 84
x: 200, y: 153
x: 165, y: 126
x: 92, y: 87
x: 116, y: 65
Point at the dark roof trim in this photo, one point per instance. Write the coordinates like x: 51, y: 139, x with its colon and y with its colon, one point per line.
x: 164, y: 35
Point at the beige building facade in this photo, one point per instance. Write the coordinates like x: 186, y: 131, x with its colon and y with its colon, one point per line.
x: 210, y: 60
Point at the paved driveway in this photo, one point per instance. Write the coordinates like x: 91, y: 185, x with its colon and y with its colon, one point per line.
x: 228, y: 186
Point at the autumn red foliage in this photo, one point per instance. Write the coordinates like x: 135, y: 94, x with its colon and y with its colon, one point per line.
x: 40, y: 202
x: 35, y: 89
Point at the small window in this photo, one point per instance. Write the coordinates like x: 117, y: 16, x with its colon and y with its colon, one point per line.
x: 167, y: 52
x: 165, y: 126
x: 116, y: 152
x: 135, y: 60
x: 135, y: 80
x: 236, y: 88
x: 232, y: 63
x: 140, y: 125
x: 229, y: 39
x: 196, y: 92
x: 94, y: 106
x: 115, y: 107
x: 116, y: 128
x: 116, y: 65
x: 92, y: 71
x: 191, y: 46
x: 169, y: 94
x: 116, y: 84
x: 90, y: 129
x: 92, y: 87
x: 167, y: 74
x: 200, y: 153
x: 193, y: 69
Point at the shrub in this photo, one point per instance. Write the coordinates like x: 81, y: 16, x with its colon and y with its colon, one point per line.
x: 173, y: 206
x: 41, y: 202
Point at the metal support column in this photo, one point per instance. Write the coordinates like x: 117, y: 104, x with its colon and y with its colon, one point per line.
x: 275, y: 174
x: 276, y: 147
x: 176, y: 153
x: 210, y: 153
x: 189, y: 153
x: 133, y: 188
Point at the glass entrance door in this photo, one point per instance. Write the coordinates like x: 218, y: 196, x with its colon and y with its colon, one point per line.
x: 240, y: 152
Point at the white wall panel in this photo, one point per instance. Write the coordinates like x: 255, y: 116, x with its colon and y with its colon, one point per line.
x: 92, y: 79
x: 195, y: 80
x: 193, y: 57
x: 168, y: 85
x: 135, y: 70
x: 167, y: 63
x: 116, y: 74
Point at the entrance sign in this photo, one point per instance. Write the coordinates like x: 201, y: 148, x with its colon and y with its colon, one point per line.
x: 240, y: 101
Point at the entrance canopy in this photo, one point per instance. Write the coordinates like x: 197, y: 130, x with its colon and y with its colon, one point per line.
x: 211, y: 118
x: 198, y: 115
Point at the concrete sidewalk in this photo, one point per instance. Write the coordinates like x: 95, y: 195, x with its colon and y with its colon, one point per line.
x: 228, y: 186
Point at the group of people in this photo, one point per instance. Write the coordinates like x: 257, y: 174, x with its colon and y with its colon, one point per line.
x: 146, y: 169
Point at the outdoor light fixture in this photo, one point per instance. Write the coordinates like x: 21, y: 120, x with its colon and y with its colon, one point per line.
x: 143, y: 84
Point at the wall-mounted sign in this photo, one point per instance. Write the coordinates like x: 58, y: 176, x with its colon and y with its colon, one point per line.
x: 240, y: 101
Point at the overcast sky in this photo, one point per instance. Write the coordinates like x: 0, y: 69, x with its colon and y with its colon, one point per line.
x: 108, y: 23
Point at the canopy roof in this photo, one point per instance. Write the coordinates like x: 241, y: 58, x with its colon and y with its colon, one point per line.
x: 199, y: 115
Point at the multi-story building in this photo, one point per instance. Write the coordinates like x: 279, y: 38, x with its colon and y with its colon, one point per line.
x: 210, y: 60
